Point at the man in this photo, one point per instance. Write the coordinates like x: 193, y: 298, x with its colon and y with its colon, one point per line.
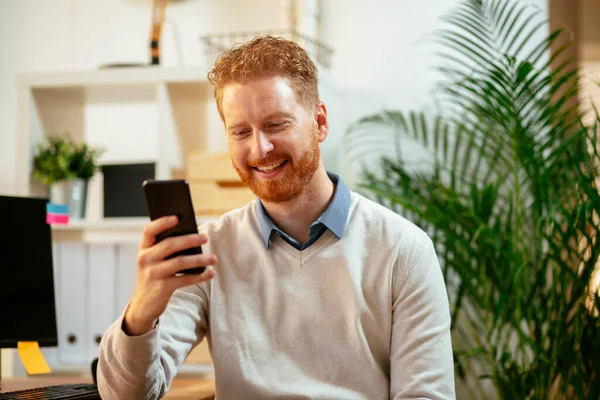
x: 311, y: 291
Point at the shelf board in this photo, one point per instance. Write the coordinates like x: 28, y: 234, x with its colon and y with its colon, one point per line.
x: 106, y: 224
x: 114, y: 224
x: 109, y: 230
x: 114, y: 77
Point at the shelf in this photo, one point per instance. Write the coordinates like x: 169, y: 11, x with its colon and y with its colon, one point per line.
x: 118, y: 223
x: 114, y: 77
x: 109, y: 230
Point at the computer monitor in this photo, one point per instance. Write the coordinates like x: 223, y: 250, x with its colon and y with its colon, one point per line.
x: 27, y: 303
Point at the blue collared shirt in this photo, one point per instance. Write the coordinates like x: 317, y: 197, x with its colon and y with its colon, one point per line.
x: 334, y: 218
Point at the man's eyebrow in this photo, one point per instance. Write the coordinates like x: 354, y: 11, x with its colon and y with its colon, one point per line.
x: 275, y: 115
x: 280, y: 114
x: 236, y: 126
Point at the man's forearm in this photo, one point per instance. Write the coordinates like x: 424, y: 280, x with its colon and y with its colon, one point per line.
x: 130, y: 367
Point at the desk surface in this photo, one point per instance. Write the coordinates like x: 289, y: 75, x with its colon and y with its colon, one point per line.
x: 183, y: 387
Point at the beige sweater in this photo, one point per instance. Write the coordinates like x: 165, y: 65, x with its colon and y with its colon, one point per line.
x: 362, y: 317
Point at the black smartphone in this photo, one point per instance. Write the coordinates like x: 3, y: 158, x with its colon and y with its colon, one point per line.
x: 172, y: 197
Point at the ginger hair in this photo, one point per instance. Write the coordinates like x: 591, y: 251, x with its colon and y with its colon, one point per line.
x: 264, y: 57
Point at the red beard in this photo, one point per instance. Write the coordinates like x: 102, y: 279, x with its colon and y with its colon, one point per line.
x: 288, y: 185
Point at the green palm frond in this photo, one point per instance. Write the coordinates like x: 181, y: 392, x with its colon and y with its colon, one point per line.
x: 509, y: 193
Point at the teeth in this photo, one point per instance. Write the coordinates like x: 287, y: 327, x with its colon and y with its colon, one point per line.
x: 269, y: 167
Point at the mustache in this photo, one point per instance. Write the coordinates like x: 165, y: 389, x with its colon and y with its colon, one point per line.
x: 268, y: 160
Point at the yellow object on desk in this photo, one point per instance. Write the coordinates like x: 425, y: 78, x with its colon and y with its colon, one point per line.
x: 32, y: 358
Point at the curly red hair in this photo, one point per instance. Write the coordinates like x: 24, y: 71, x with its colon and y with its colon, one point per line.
x: 262, y: 57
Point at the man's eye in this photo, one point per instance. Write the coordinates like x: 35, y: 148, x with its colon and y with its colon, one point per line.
x: 242, y: 132
x: 277, y: 125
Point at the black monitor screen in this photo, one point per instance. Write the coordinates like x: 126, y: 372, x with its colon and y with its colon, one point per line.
x: 27, y: 305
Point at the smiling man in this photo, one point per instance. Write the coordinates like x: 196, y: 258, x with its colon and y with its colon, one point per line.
x: 311, y: 291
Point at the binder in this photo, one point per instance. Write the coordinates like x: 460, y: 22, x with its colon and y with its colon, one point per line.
x: 101, y: 295
x: 71, y: 303
x: 126, y: 275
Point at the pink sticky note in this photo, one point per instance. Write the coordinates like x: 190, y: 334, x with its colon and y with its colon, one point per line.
x: 57, y: 219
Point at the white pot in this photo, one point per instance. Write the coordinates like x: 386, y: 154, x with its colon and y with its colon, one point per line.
x: 72, y: 193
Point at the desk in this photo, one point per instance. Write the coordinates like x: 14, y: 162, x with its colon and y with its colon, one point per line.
x: 183, y: 387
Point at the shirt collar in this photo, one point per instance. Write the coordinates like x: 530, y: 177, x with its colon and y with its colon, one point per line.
x: 334, y: 218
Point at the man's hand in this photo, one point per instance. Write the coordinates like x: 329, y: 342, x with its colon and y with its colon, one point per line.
x: 156, y: 280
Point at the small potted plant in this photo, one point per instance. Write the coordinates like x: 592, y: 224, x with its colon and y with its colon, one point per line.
x: 65, y: 167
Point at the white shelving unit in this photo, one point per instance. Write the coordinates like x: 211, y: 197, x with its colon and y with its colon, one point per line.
x: 141, y: 114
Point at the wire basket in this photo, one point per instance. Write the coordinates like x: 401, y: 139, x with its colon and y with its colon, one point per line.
x: 216, y: 44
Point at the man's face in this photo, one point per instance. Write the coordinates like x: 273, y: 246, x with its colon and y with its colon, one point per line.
x: 273, y: 141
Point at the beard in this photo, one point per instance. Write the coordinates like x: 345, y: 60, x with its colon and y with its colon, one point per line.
x: 292, y: 182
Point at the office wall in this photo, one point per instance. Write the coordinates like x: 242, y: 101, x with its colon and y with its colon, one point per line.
x: 385, y: 50
x: 385, y: 56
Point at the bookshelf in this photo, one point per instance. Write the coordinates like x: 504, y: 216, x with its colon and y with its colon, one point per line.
x: 141, y: 114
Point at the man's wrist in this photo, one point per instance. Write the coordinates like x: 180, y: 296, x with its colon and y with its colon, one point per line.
x: 133, y: 327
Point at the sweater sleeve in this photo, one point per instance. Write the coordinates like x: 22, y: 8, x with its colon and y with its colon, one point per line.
x: 142, y: 367
x: 421, y: 361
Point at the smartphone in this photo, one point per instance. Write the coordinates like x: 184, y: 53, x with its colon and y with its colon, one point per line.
x: 172, y: 197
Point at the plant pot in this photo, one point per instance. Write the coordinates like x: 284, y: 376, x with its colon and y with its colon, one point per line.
x: 72, y: 193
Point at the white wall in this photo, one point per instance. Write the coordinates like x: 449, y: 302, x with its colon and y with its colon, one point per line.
x: 385, y: 56
x: 8, y: 66
x: 384, y: 50
x: 381, y: 56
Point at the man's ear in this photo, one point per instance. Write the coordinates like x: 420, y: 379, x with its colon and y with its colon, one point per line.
x: 322, y: 121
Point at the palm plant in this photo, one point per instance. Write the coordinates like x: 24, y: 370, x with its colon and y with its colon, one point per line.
x: 510, y: 197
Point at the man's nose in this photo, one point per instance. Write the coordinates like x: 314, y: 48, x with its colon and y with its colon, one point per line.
x: 262, y: 144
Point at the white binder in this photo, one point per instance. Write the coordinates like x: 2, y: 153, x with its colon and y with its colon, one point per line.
x: 126, y: 274
x: 71, y: 303
x: 101, y: 295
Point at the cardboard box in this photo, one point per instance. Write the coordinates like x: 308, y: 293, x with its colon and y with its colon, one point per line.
x: 215, y: 185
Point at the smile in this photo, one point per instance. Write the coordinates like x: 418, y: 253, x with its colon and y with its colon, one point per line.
x: 269, y: 168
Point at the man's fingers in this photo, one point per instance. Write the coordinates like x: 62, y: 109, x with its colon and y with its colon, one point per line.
x: 182, y: 263
x: 154, y: 228
x: 192, y: 279
x: 165, y: 248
